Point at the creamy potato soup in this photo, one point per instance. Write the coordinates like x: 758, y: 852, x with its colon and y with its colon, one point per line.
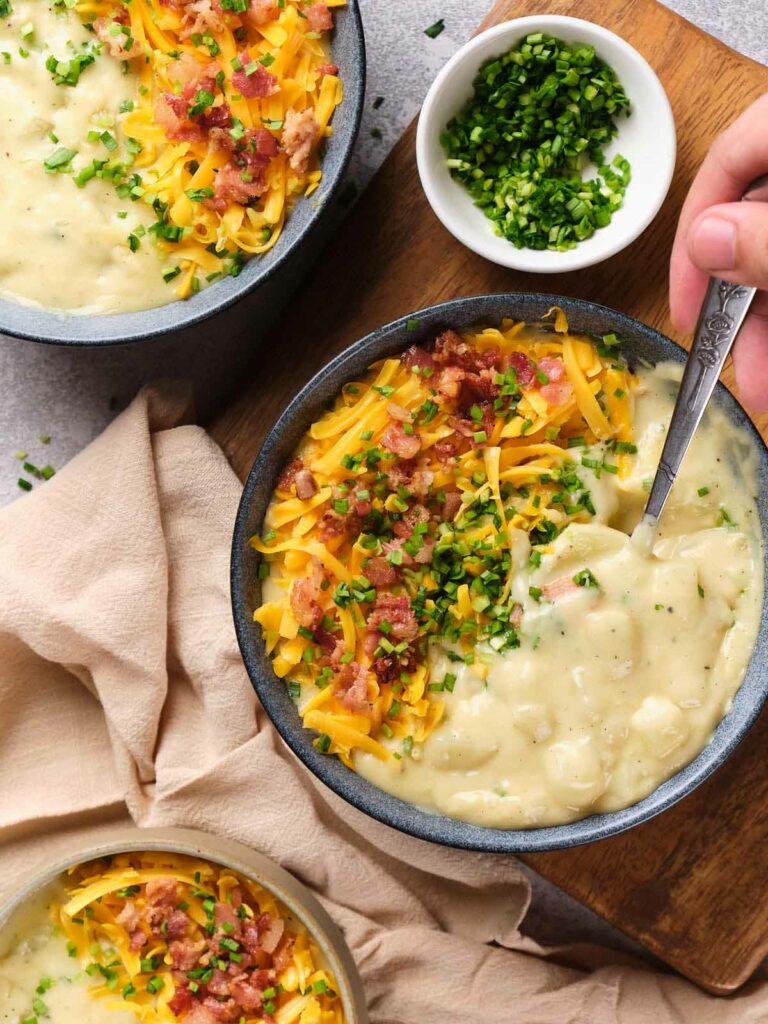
x: 39, y: 979
x: 64, y: 246
x: 618, y: 683
x: 149, y: 150
x: 458, y: 600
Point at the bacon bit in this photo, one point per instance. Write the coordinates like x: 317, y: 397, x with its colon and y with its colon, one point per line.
x: 229, y: 187
x: 327, y: 69
x: 236, y: 896
x: 200, y: 17
x: 257, y: 83
x: 352, y: 687
x: 129, y: 916
x: 397, y: 545
x: 327, y: 640
x: 305, y: 594
x: 199, y: 1014
x: 185, y: 953
x: 559, y: 588
x: 404, y: 527
x: 246, y: 995
x: 422, y: 481
x: 523, y: 368
x: 190, y: 73
x: 362, y: 507
x: 516, y: 615
x: 306, y: 485
x: 283, y: 953
x: 449, y: 382
x: 319, y: 17
x: 300, y: 133
x: 176, y: 127
x: 449, y: 348
x: 477, y: 390
x: 398, y: 613
x: 331, y: 525
x: 557, y: 394
x: 260, y: 12
x: 451, y: 505
x: 553, y: 367
x: 271, y: 931
x: 181, y: 1001
x: 417, y: 356
x: 161, y: 892
x: 226, y: 1011
x: 176, y: 924
x: 138, y: 939
x: 424, y: 555
x: 445, y: 451
x: 224, y: 913
x: 288, y: 476
x: 397, y: 412
x: 219, y: 983
x: 217, y: 117
x: 380, y: 572
x: 115, y: 44
x: 394, y: 439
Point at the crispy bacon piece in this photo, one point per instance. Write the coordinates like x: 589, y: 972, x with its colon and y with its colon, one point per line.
x: 176, y: 924
x: 224, y: 914
x: 327, y: 69
x: 449, y: 382
x: 404, y: 527
x: 559, y: 588
x: 516, y: 615
x: 138, y: 939
x: 283, y: 953
x: 129, y: 916
x: 288, y: 475
x: 181, y: 1001
x: 230, y: 187
x: 451, y: 505
x: 445, y: 451
x: 247, y: 996
x: 394, y: 439
x: 161, y: 892
x: 379, y: 571
x: 254, y: 82
x: 553, y: 367
x: 523, y: 368
x: 319, y: 17
x: 397, y: 412
x: 398, y: 613
x: 120, y: 45
x: 219, y: 983
x: 557, y: 393
x: 300, y: 132
x: 199, y: 1014
x: 397, y: 545
x: 200, y: 16
x: 305, y: 594
x: 260, y: 12
x: 176, y: 127
x: 185, y: 953
x: 417, y: 356
x: 476, y: 389
x: 227, y: 1010
x: 352, y: 687
x: 306, y: 485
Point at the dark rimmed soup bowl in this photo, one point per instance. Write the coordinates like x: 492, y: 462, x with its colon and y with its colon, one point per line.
x: 63, y: 328
x: 640, y: 344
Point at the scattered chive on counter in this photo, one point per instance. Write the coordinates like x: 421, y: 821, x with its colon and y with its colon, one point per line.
x: 538, y: 113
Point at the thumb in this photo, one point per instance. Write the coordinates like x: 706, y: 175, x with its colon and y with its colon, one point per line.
x: 731, y: 241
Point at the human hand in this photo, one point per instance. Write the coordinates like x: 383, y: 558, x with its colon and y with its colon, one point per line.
x: 718, y: 236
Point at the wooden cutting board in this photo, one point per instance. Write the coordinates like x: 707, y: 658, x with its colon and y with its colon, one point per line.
x: 692, y: 885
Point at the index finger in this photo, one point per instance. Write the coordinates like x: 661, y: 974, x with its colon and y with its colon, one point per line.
x: 736, y: 158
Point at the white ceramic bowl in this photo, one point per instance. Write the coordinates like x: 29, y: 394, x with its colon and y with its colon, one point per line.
x: 226, y: 852
x: 646, y: 138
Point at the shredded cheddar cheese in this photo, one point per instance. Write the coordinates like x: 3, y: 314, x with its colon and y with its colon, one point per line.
x: 234, y: 103
x: 410, y: 507
x: 161, y: 934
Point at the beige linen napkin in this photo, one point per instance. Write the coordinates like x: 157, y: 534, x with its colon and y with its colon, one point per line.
x: 122, y: 694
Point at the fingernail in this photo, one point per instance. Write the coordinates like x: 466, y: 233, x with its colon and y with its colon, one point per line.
x: 714, y: 244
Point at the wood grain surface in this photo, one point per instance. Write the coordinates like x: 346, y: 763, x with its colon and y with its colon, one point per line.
x: 692, y: 885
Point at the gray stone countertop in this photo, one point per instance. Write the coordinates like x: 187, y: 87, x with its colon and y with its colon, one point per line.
x: 70, y: 394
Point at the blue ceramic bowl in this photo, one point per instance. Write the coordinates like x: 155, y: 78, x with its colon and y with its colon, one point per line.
x: 640, y: 343
x: 62, y: 328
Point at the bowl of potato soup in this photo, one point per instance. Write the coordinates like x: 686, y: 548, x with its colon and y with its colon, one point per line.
x: 438, y: 597
x: 162, y: 160
x: 164, y: 925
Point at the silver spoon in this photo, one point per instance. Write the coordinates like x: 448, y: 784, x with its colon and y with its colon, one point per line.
x: 722, y: 314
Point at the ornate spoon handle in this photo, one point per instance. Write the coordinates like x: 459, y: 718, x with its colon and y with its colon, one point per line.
x: 722, y: 315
